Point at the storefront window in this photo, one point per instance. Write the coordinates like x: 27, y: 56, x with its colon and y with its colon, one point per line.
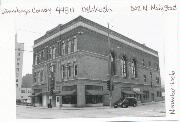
x: 69, y: 99
x: 93, y: 99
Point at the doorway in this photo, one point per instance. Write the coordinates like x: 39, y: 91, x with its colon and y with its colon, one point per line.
x: 152, y: 96
x: 57, y: 101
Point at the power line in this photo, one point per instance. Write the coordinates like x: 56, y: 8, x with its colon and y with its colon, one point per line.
x: 29, y: 31
x: 23, y: 50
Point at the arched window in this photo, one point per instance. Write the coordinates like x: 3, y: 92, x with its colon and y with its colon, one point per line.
x: 133, y: 68
x: 123, y: 66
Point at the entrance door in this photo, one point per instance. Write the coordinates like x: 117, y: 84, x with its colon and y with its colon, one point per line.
x: 152, y: 96
x: 57, y: 101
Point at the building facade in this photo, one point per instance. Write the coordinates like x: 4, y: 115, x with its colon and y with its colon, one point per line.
x: 25, y: 95
x: 70, y: 67
x: 19, y: 48
x: 26, y: 88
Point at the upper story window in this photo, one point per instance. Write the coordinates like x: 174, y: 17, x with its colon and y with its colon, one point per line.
x: 63, y: 71
x: 22, y: 91
x: 151, y: 75
x: 18, y: 59
x: 41, y: 76
x: 53, y: 52
x: 75, y: 69
x: 133, y: 68
x: 124, y: 66
x: 157, y: 80
x: 69, y: 46
x: 144, y: 78
x: 149, y: 63
x: 72, y: 45
x: 59, y: 48
x: 143, y: 62
x: 35, y: 77
x: 19, y: 54
x: 17, y: 69
x: 63, y: 48
x: 156, y: 66
x: 69, y: 70
x: 42, y: 54
x: 38, y: 58
x: 66, y: 47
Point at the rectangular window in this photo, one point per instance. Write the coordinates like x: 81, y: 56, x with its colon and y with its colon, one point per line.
x: 53, y: 52
x: 41, y: 76
x: 149, y: 63
x: 63, y: 71
x: 63, y: 48
x: 17, y: 69
x: 16, y: 80
x: 22, y: 91
x: 75, y: 69
x: 94, y: 87
x: 42, y: 55
x: 143, y: 62
x: 68, y: 88
x: 157, y: 80
x: 35, y: 75
x: 144, y: 78
x: 69, y: 46
x: 123, y: 67
x: 66, y: 47
x: 72, y: 45
x: 69, y: 70
x: 146, y: 95
x: 133, y: 68
x: 75, y: 44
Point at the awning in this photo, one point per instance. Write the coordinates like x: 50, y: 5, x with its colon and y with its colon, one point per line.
x: 94, y: 92
x: 37, y: 94
x: 128, y: 92
x: 65, y: 93
x: 138, y: 92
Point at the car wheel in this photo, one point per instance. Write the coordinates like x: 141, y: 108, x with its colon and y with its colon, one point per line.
x: 134, y: 105
x: 124, y: 106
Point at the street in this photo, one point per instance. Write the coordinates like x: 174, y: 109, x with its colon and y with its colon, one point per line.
x: 154, y: 109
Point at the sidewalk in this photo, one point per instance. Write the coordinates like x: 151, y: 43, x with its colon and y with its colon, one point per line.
x: 150, y: 103
x: 86, y: 108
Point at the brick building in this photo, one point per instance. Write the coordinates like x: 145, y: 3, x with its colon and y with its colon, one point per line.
x: 72, y: 61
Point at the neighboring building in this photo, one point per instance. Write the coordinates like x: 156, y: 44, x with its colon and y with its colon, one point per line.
x: 72, y: 60
x: 19, y: 48
x: 25, y: 94
x: 26, y: 88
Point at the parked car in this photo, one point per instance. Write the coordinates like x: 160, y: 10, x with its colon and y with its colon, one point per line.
x: 128, y: 101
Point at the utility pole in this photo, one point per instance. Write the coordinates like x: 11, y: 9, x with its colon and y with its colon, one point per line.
x: 109, y: 69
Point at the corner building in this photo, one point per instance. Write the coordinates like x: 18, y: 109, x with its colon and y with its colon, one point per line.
x: 72, y: 59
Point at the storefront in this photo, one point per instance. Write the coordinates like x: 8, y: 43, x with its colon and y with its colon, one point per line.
x: 94, y: 98
x: 66, y: 98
